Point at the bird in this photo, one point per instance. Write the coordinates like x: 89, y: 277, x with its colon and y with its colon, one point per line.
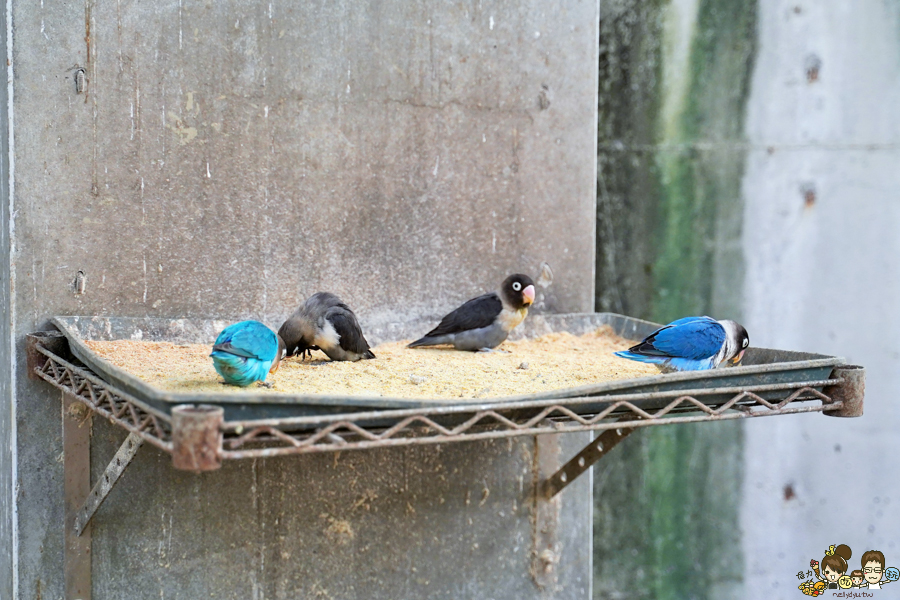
x: 246, y: 352
x: 325, y: 323
x: 691, y: 344
x: 483, y: 323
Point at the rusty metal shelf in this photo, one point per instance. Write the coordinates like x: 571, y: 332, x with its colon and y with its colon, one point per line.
x: 199, y: 437
x: 323, y: 433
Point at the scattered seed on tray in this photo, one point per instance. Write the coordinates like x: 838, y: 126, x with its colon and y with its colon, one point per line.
x: 551, y: 362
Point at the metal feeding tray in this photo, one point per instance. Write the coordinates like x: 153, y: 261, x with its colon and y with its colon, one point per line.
x: 202, y: 430
x: 766, y: 372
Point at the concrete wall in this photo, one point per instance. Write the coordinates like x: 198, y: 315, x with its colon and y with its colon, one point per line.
x: 752, y: 173
x: 228, y: 159
x: 674, y: 77
x: 820, y: 237
x: 7, y: 343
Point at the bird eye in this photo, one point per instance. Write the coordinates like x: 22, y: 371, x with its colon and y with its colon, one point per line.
x: 746, y: 343
x: 517, y: 286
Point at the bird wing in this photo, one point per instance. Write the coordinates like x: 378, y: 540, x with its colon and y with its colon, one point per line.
x: 319, y: 303
x: 691, y: 337
x: 346, y: 326
x: 248, y: 339
x: 476, y: 313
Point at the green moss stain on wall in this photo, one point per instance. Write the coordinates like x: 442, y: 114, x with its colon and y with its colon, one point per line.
x: 674, y: 82
x: 700, y: 158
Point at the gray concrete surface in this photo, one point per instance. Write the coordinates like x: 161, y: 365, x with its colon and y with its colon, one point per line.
x: 7, y: 414
x: 434, y: 522
x: 674, y: 81
x: 822, y: 275
x: 227, y: 160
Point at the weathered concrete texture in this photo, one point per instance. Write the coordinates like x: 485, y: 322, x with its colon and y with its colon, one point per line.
x: 673, y: 85
x: 397, y: 154
x: 627, y: 175
x: 228, y: 159
x: 665, y: 522
x: 674, y: 79
x: 821, y: 242
x: 435, y: 522
x: 7, y: 412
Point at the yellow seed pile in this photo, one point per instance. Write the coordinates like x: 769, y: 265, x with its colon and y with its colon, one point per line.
x: 551, y: 362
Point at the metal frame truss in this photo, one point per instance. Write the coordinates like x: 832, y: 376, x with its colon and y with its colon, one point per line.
x: 199, y: 439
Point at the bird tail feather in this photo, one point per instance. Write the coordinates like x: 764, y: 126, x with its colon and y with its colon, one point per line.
x: 237, y: 370
x: 655, y: 360
x: 430, y: 341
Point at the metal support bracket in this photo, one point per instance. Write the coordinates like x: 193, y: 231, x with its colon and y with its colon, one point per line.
x: 545, y: 552
x: 102, y: 488
x: 584, y: 460
x: 76, y: 425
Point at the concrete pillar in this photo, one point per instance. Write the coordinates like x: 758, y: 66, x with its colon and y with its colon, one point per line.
x: 224, y: 159
x: 820, y: 236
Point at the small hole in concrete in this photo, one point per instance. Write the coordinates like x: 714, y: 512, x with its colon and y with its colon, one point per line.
x: 808, y: 190
x: 812, y: 65
x: 789, y: 493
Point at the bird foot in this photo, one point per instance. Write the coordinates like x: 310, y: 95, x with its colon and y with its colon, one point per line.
x: 265, y: 384
x: 307, y: 352
x: 486, y: 350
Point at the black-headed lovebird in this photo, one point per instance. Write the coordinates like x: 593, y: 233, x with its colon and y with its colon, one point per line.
x: 325, y: 323
x: 691, y: 344
x: 246, y: 352
x: 484, y: 322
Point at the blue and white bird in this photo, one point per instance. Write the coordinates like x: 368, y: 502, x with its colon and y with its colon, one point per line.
x: 691, y: 344
x: 246, y: 352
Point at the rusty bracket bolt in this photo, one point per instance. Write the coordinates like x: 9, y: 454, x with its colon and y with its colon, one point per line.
x: 850, y: 391
x: 197, y: 437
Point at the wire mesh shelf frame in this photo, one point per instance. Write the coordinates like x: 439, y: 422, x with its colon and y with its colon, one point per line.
x: 334, y: 433
x: 118, y: 407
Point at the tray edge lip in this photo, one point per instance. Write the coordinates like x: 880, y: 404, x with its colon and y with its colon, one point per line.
x: 147, y: 392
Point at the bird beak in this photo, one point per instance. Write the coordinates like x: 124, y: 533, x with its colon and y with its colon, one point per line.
x: 738, y: 358
x: 529, y: 294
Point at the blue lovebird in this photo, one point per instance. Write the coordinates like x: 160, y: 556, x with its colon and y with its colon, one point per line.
x: 691, y: 344
x: 246, y: 352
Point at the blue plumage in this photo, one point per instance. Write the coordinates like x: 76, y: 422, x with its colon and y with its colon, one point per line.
x: 691, y: 344
x: 246, y: 352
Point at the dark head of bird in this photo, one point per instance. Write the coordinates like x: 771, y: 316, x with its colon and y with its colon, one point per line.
x: 297, y: 334
x: 737, y: 340
x: 518, y: 291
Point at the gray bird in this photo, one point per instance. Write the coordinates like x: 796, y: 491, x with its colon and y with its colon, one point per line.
x: 327, y: 324
x: 484, y: 322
